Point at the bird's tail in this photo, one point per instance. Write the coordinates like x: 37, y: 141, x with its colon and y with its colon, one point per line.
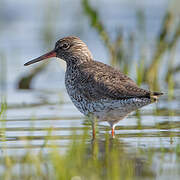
x: 154, y: 95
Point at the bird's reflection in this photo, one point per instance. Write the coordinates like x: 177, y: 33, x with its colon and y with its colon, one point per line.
x: 119, y: 154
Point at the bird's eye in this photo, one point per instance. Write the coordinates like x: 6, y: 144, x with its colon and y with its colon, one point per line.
x: 65, y: 45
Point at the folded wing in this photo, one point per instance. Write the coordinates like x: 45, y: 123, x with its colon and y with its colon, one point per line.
x: 100, y: 81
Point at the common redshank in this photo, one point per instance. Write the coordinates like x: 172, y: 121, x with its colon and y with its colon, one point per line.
x: 97, y: 89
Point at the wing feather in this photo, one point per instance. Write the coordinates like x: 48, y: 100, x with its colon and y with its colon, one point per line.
x: 100, y: 81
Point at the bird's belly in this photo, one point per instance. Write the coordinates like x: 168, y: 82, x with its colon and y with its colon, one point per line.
x: 115, y: 110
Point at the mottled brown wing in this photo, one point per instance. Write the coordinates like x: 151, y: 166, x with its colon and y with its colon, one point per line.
x: 100, y: 81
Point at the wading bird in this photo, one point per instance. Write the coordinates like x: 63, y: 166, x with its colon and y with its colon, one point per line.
x: 95, y: 88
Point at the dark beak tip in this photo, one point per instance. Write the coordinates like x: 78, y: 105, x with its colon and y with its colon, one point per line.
x: 27, y: 64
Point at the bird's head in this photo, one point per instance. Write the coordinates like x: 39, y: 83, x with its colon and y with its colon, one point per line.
x: 71, y: 49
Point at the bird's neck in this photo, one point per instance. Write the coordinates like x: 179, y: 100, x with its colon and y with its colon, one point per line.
x: 78, y: 60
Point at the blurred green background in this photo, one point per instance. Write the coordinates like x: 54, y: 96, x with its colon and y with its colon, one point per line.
x: 136, y: 37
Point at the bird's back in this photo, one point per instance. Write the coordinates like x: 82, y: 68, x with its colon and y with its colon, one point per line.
x: 105, y: 82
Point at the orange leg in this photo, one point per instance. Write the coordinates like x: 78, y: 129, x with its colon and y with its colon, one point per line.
x: 94, y: 123
x: 112, y: 131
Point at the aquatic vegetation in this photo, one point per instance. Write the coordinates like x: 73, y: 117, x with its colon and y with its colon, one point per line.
x: 84, y: 159
x: 105, y: 159
x: 3, y: 108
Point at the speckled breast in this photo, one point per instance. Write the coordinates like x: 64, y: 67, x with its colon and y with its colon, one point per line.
x: 80, y: 101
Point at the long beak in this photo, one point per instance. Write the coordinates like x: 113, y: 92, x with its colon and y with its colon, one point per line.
x: 45, y: 56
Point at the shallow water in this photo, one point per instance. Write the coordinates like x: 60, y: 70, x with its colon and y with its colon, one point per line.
x: 40, y: 115
x: 48, y: 111
x: 36, y: 120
